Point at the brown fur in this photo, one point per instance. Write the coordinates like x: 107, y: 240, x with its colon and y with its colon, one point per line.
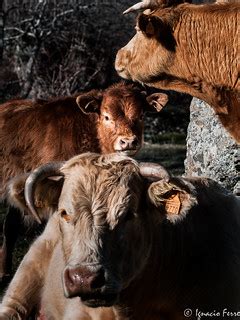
x: 156, y: 263
x: 33, y: 133
x: 37, y: 132
x: 191, y: 49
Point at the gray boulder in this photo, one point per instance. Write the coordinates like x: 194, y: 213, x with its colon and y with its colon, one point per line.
x: 211, y: 151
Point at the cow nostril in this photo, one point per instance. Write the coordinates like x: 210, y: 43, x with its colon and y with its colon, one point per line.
x: 81, y: 280
x: 98, y: 281
x: 135, y: 142
x: 122, y: 142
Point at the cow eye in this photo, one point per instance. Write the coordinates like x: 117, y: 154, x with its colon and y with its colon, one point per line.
x: 106, y: 118
x: 65, y: 215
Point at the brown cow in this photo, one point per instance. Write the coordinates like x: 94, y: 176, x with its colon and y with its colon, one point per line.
x: 149, y: 249
x: 33, y: 133
x: 189, y: 48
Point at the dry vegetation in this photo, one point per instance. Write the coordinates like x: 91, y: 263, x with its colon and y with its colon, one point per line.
x: 54, y: 47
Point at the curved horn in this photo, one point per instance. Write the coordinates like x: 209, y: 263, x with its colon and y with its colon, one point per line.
x: 145, y: 4
x: 46, y: 170
x: 153, y: 170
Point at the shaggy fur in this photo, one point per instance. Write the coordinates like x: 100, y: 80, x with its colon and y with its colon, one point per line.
x: 33, y: 133
x: 155, y: 266
x: 191, y: 49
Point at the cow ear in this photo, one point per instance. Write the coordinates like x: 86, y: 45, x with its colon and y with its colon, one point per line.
x: 174, y: 198
x: 156, y: 101
x: 46, y: 194
x: 15, y: 192
x: 150, y: 25
x: 90, y: 102
x: 153, y: 26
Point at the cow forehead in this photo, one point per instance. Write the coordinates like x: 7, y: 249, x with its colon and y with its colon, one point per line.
x: 131, y: 45
x: 107, y: 204
x: 101, y: 189
x: 130, y: 105
x: 100, y: 182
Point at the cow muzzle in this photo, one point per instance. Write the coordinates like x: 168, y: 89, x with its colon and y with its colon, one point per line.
x: 128, y: 146
x: 89, y: 284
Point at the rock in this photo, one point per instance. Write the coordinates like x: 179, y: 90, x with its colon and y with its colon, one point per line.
x: 211, y: 151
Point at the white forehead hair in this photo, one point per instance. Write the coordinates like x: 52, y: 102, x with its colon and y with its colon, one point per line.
x: 90, y: 158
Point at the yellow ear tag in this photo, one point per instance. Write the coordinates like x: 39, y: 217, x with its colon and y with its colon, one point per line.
x: 173, y: 204
x: 67, y: 218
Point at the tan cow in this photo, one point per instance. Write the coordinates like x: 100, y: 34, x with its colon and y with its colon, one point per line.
x: 128, y: 236
x: 192, y: 49
x: 37, y: 132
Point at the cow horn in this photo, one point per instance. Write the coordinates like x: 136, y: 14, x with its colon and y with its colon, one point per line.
x: 153, y: 171
x: 146, y: 4
x: 42, y: 172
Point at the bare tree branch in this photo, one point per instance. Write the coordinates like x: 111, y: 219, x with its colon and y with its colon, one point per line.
x: 64, y: 46
x: 20, y: 31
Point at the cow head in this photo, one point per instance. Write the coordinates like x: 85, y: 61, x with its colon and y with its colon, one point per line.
x: 149, y: 55
x: 120, y: 111
x: 109, y: 208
